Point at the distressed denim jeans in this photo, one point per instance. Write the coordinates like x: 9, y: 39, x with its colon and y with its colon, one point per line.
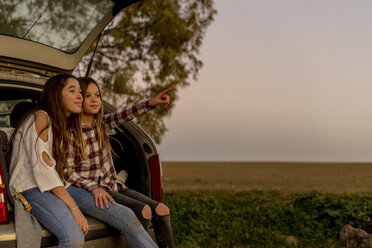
x: 56, y: 217
x: 118, y: 216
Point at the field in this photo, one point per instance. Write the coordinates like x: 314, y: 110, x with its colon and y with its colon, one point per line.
x: 223, y: 204
x: 291, y: 177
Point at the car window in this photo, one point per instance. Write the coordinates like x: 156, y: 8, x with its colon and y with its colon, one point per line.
x: 60, y: 24
x: 6, y: 110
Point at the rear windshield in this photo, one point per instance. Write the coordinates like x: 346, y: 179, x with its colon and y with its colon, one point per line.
x: 62, y: 24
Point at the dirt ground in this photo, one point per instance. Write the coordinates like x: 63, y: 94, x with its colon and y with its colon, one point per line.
x: 291, y: 177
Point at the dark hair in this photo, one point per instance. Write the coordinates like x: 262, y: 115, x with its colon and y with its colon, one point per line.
x: 50, y: 101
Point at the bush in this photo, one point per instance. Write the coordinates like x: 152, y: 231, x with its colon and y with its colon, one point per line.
x: 264, y: 218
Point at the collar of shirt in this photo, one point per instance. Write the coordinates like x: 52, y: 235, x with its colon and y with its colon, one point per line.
x: 85, y: 127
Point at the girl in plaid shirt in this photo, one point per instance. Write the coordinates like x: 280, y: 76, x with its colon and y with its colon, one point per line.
x: 96, y: 173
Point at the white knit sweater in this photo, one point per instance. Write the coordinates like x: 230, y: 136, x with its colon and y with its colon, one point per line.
x: 27, y: 168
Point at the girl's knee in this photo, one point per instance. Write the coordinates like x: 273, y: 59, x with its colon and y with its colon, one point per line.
x: 126, y: 213
x: 146, y: 212
x: 74, y: 240
x: 161, y: 209
x: 128, y: 219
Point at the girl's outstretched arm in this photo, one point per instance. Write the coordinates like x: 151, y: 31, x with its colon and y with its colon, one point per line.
x: 130, y: 111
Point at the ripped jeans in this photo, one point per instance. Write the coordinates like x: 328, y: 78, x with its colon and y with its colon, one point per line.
x: 117, y: 216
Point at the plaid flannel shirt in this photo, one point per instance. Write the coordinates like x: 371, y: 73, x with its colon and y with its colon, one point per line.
x: 97, y: 169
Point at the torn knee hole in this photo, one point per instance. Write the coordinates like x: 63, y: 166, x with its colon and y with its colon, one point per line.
x: 161, y: 209
x: 146, y: 212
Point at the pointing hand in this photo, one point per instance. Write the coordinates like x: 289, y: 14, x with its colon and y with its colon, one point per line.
x: 161, y: 98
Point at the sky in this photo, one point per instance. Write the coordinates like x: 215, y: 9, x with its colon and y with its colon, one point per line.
x: 287, y: 80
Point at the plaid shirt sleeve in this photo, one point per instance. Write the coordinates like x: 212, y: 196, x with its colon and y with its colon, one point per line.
x: 126, y: 113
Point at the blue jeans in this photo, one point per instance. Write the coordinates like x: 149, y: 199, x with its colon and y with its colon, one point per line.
x: 118, y: 216
x: 55, y: 216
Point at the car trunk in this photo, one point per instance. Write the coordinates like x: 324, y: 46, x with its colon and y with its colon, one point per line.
x: 129, y: 156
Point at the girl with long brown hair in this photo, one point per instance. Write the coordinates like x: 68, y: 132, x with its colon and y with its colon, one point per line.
x: 96, y: 172
x: 37, y: 160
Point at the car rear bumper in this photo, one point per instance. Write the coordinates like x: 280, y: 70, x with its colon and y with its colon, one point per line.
x: 99, y: 235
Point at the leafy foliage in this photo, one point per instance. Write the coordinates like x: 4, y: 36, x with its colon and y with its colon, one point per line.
x: 151, y: 46
x: 334, y: 211
x: 264, y: 218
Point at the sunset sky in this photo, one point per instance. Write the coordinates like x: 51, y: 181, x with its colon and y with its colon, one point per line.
x: 287, y: 80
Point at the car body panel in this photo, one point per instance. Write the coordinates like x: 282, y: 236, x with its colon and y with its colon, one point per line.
x: 99, y: 235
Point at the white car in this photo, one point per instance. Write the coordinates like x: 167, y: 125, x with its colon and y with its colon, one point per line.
x: 39, y: 39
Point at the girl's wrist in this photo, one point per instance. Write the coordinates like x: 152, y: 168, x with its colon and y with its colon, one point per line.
x: 73, y: 208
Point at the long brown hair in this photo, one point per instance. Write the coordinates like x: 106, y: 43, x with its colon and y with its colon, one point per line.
x: 103, y: 138
x: 50, y: 101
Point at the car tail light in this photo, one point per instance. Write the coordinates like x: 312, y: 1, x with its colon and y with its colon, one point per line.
x: 156, y: 178
x: 4, y: 218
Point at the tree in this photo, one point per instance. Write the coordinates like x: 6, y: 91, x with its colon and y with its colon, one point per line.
x: 151, y: 46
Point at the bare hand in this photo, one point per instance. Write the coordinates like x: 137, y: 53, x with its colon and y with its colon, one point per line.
x: 101, y: 196
x: 161, y: 98
x: 80, y: 219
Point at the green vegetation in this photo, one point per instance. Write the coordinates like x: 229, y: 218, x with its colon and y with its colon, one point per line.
x: 264, y: 218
